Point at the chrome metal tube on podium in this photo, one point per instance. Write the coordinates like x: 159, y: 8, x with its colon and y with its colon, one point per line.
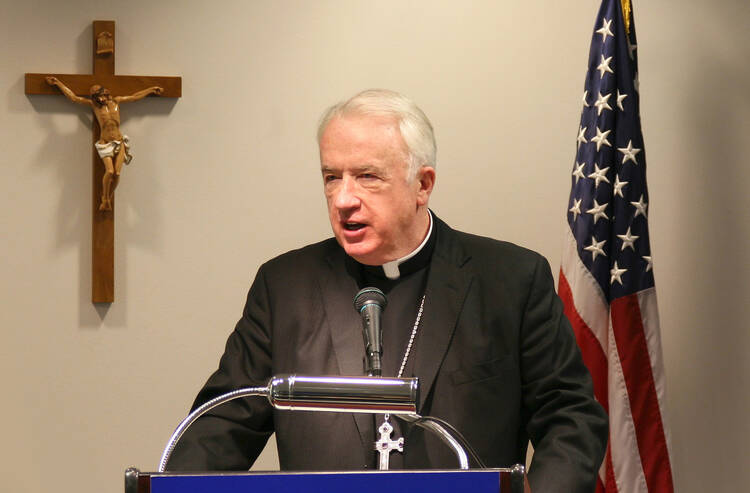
x: 374, y: 395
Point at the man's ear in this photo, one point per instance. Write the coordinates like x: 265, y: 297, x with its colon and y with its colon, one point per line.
x: 426, y: 181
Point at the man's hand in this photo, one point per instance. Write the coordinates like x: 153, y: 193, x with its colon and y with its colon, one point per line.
x: 158, y: 90
x: 52, y: 80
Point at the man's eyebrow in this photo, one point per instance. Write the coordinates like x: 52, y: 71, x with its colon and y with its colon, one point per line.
x: 361, y: 168
x: 368, y: 168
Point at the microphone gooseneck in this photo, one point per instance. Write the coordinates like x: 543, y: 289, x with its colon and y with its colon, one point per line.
x: 370, y: 303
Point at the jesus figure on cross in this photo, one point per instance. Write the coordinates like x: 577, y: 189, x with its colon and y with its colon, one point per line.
x: 113, y: 147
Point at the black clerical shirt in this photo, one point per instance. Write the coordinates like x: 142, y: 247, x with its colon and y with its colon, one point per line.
x: 404, y: 296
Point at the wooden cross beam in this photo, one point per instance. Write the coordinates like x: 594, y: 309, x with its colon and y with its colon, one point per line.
x: 103, y: 221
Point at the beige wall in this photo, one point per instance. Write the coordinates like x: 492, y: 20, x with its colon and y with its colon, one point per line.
x: 226, y: 177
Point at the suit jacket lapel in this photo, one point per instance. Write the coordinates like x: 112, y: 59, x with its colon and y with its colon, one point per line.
x: 338, y: 290
x: 447, y: 285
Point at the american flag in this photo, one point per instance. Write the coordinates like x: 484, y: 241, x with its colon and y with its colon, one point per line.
x: 606, y: 279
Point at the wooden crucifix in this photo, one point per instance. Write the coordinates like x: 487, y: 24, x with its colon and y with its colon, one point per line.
x: 110, y: 148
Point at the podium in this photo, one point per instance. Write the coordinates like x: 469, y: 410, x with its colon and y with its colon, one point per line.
x: 435, y: 481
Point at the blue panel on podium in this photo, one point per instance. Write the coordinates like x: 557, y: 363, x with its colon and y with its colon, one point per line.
x: 475, y: 481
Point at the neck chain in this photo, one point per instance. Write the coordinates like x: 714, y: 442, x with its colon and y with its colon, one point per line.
x: 385, y: 445
x: 411, y: 339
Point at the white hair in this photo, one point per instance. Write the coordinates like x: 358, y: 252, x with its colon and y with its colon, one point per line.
x: 415, y: 128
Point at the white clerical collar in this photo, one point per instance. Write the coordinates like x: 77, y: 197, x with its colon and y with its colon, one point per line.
x: 391, y: 270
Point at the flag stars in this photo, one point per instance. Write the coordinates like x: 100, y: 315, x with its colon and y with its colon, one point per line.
x: 596, y: 248
x: 640, y: 207
x: 629, y: 152
x: 620, y: 98
x: 649, y: 262
x: 628, y: 240
x: 605, y: 29
x: 602, y: 103
x: 618, y: 186
x: 576, y: 209
x: 616, y: 274
x: 578, y: 171
x: 598, y: 211
x: 581, y: 137
x: 584, y: 98
x: 599, y: 175
x: 601, y: 138
x: 631, y: 49
x: 604, y: 66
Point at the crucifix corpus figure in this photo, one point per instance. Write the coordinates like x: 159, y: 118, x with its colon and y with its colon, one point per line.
x: 113, y: 147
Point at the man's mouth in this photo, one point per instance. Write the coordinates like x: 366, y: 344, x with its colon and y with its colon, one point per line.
x: 351, y: 226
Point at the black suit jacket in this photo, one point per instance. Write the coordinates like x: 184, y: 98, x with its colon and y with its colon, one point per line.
x: 496, y: 358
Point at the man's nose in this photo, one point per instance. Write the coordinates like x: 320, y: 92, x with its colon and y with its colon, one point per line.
x: 347, y: 196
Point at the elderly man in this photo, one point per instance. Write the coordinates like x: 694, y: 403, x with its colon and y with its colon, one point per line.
x: 477, y: 320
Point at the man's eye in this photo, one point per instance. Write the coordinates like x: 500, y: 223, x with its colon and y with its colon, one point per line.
x: 328, y: 178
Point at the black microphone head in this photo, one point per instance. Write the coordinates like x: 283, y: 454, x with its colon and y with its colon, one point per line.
x: 369, y: 296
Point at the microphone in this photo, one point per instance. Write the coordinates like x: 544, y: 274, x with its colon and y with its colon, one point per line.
x: 370, y: 302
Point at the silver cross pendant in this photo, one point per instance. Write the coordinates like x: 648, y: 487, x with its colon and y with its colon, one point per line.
x: 385, y: 445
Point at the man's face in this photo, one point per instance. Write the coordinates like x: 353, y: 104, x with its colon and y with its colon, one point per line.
x: 377, y: 215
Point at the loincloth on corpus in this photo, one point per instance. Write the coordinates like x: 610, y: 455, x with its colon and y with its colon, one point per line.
x: 109, y: 149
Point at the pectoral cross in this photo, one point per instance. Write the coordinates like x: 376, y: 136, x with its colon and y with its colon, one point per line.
x: 385, y: 445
